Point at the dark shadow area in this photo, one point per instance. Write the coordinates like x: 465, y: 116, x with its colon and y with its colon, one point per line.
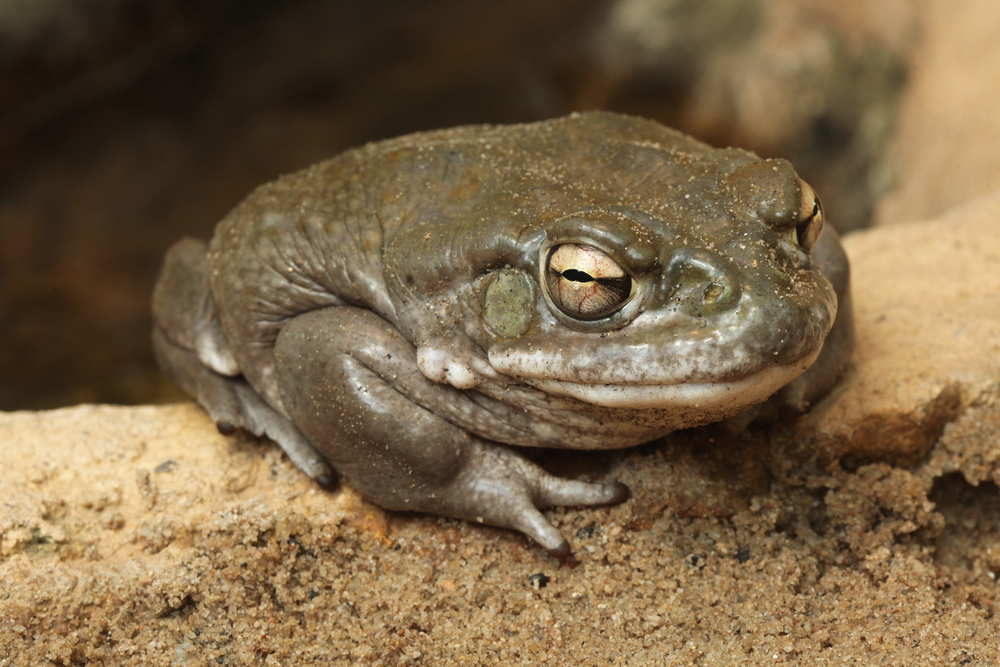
x: 969, y: 545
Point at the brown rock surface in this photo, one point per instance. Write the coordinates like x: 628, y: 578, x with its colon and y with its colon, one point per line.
x: 141, y: 536
x: 944, y: 153
x: 927, y: 309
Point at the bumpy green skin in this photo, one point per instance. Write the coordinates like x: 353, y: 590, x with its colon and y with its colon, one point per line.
x: 384, y: 311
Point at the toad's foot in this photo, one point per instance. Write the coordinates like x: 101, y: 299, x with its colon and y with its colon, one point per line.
x: 499, y: 487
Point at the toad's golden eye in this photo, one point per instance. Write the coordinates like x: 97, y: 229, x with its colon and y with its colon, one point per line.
x: 810, y: 223
x: 583, y: 282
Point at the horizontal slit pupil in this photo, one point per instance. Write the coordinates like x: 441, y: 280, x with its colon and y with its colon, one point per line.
x: 577, y: 276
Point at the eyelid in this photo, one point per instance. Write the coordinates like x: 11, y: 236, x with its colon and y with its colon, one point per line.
x: 600, y: 228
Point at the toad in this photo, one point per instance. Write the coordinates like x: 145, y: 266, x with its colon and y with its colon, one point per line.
x: 412, y: 312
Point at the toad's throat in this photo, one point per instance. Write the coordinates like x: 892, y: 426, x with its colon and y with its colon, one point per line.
x: 728, y: 396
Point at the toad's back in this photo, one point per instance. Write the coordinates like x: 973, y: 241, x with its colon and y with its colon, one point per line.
x: 319, y: 237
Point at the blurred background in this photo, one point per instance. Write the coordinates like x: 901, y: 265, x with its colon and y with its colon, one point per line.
x: 126, y: 124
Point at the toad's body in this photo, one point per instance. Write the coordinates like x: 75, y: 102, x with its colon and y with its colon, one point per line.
x: 590, y: 282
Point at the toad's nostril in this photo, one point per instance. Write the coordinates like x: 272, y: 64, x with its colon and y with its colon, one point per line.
x: 701, y: 283
x: 712, y: 293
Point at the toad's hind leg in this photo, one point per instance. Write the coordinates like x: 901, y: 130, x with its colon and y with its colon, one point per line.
x: 351, y: 382
x: 191, y: 351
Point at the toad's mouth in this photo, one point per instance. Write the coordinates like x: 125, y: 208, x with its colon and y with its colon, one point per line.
x: 710, y: 396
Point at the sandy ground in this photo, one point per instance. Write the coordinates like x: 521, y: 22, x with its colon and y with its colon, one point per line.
x: 866, y: 533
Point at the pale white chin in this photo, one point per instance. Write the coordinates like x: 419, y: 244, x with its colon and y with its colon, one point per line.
x: 731, y: 396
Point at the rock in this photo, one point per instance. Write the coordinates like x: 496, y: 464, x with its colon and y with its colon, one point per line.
x: 111, y: 483
x: 944, y: 152
x: 927, y: 316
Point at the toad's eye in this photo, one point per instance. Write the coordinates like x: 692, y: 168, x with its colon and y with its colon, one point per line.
x: 810, y: 221
x: 583, y: 282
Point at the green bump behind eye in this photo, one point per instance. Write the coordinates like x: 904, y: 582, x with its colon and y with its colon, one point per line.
x: 510, y: 303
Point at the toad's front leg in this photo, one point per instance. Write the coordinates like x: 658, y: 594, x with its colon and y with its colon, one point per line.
x: 350, y: 382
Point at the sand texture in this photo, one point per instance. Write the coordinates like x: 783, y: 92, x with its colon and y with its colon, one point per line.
x: 866, y: 533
